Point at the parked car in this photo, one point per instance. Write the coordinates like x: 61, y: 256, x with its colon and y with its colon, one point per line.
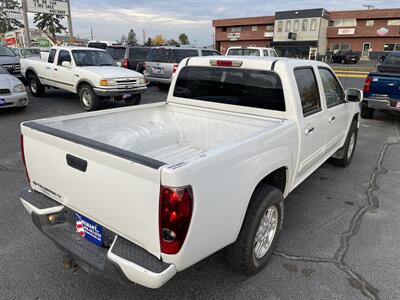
x: 382, y: 88
x: 345, y: 57
x: 12, y: 91
x: 251, y: 51
x: 117, y: 52
x: 26, y: 52
x: 10, y: 61
x: 142, y: 193
x: 91, y: 73
x: 162, y: 62
x: 135, y: 58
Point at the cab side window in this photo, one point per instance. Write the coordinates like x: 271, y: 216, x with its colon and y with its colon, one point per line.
x: 308, y: 90
x: 52, y: 55
x: 334, y: 93
x: 63, y: 56
x: 266, y: 53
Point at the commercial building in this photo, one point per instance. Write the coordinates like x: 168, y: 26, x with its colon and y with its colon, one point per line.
x: 314, y: 33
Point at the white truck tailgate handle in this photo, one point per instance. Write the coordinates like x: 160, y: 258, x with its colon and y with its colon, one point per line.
x: 76, y: 162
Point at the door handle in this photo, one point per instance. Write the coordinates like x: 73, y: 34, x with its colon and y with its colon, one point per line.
x: 309, y: 130
x: 331, y: 119
x: 55, y: 69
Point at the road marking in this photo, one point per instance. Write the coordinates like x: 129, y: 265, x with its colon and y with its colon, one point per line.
x: 350, y: 71
x: 351, y: 75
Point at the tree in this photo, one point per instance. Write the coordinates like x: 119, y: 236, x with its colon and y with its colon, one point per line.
x: 51, y: 24
x: 183, y: 39
x: 8, y: 24
x: 158, y: 40
x: 172, y: 42
x: 132, y: 40
x: 148, y: 43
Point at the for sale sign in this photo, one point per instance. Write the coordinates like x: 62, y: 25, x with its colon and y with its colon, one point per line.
x: 53, y: 7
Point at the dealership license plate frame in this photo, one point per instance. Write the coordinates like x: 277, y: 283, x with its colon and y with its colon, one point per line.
x: 88, y: 229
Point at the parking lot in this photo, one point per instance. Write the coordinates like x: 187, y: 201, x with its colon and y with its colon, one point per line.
x: 340, y: 239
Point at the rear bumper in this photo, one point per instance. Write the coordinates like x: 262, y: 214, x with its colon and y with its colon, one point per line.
x: 15, y: 100
x: 122, y: 261
x: 107, y: 92
x: 159, y: 80
x: 383, y: 104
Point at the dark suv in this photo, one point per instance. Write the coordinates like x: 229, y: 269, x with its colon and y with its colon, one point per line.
x: 135, y: 57
x: 345, y: 57
x: 10, y: 61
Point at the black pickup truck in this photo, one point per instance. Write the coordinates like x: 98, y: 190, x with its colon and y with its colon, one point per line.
x: 382, y: 87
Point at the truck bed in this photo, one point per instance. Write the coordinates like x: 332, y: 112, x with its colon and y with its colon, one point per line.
x: 168, y: 133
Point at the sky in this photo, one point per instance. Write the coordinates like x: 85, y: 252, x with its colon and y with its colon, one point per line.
x: 112, y: 19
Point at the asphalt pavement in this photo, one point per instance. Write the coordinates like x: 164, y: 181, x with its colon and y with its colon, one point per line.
x: 340, y: 238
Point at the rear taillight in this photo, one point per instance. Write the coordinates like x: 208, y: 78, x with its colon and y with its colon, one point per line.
x: 23, y: 157
x: 367, y: 85
x: 174, y: 68
x: 125, y: 63
x: 176, y: 205
x: 226, y: 63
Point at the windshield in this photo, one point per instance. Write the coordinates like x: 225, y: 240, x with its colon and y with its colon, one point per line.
x: 4, y: 51
x: 92, y: 58
x: 30, y: 52
x: 243, y: 87
x: 116, y: 53
x: 164, y: 55
x: 393, y: 59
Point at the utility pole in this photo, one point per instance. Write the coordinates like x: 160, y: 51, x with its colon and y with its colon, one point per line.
x: 71, y: 33
x: 26, y: 23
x: 144, y: 36
x: 91, y: 32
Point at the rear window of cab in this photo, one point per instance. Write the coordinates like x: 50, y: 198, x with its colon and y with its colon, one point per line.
x: 234, y: 86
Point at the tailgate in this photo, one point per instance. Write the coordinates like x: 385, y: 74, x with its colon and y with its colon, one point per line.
x: 119, y: 189
x: 385, y: 84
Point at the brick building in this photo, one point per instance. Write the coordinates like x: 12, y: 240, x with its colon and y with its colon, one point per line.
x: 314, y: 32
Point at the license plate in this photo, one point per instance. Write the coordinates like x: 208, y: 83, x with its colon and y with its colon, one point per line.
x: 2, y: 101
x: 157, y: 71
x: 88, y: 229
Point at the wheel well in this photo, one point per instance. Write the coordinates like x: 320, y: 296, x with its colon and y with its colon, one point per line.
x: 355, y: 118
x: 29, y: 72
x: 277, y: 179
x: 80, y: 84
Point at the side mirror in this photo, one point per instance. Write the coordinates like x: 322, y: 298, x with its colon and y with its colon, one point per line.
x: 119, y: 64
x: 354, y: 95
x: 66, y: 64
x: 381, y: 59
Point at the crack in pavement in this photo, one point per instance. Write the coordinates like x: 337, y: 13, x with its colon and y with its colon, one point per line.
x: 6, y: 169
x: 355, y: 279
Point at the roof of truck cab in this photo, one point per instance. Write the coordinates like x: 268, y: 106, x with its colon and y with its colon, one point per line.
x: 76, y: 48
x: 256, y: 62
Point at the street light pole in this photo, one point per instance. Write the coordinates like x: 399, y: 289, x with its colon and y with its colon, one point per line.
x: 71, y: 33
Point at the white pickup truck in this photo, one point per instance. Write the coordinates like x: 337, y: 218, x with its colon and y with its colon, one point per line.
x: 141, y: 193
x: 90, y: 73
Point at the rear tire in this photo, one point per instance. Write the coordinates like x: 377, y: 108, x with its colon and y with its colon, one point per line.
x: 366, y: 112
x: 36, y: 88
x: 347, y: 150
x: 259, y: 233
x: 89, y: 100
x: 134, y: 100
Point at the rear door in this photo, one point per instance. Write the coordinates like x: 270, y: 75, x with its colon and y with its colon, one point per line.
x: 49, y: 68
x: 118, y: 190
x: 312, y: 122
x: 337, y: 113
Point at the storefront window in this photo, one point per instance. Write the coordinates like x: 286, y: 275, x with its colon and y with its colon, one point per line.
x: 313, y: 24
x: 304, y: 25
x: 288, y: 25
x: 338, y: 46
x: 391, y: 47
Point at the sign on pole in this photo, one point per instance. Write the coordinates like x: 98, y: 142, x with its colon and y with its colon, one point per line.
x: 13, y: 14
x: 53, y: 7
